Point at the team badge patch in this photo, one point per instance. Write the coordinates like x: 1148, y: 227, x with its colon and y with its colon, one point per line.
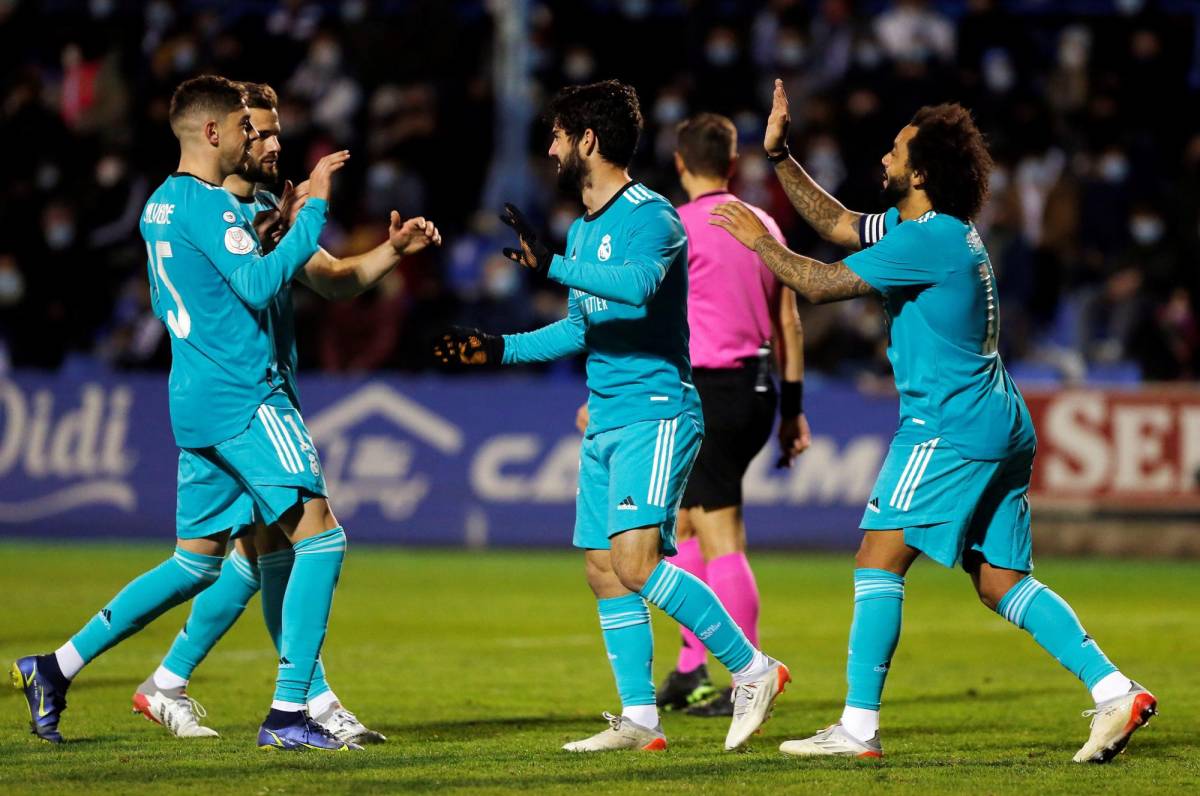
x: 229, y: 217
x: 237, y: 241
x: 605, y: 250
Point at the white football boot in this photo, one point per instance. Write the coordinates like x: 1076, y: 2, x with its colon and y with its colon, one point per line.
x: 1114, y: 721
x: 621, y: 734
x: 173, y: 709
x: 752, y: 703
x: 345, y: 726
x: 833, y: 741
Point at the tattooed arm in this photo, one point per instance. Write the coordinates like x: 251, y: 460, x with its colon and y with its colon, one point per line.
x: 824, y: 214
x: 816, y: 281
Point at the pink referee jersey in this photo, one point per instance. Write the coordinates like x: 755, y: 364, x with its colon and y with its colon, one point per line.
x: 730, y: 291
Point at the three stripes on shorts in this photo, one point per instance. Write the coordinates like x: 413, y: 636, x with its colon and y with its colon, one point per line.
x: 660, y: 471
x: 282, y: 441
x: 914, y: 471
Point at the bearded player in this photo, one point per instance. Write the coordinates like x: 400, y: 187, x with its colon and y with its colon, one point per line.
x: 244, y: 449
x: 264, y: 559
x: 626, y: 267
x: 955, y: 483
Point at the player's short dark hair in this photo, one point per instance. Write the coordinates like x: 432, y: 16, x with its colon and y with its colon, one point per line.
x: 708, y: 144
x: 950, y: 152
x: 212, y: 94
x: 261, y: 96
x: 609, y: 108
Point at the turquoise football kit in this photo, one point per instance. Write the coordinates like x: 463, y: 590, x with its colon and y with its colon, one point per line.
x: 244, y: 452
x: 626, y: 268
x: 956, y: 478
x: 218, y: 607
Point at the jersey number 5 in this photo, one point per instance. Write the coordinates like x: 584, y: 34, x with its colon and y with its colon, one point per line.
x: 178, y: 320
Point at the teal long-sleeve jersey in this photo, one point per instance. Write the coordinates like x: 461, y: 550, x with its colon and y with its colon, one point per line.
x: 280, y: 314
x: 626, y: 267
x: 212, y: 287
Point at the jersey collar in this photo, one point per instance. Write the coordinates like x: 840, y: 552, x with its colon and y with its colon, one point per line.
x: 593, y: 216
x: 194, y: 177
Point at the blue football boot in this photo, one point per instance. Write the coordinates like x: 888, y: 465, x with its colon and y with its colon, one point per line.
x: 301, y: 735
x: 46, y: 700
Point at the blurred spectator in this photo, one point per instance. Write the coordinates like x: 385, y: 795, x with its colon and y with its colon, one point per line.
x: 1094, y: 263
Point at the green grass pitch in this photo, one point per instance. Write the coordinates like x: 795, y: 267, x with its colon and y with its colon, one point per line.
x: 479, y: 665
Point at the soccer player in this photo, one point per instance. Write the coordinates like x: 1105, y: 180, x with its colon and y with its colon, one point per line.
x: 265, y: 558
x: 955, y: 483
x: 242, y: 442
x: 735, y: 310
x: 626, y: 267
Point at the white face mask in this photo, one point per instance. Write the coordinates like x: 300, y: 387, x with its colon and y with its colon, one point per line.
x: 721, y: 52
x: 669, y: 109
x: 12, y: 286
x: 578, y: 66
x: 1146, y: 230
x: 1113, y: 167
x: 60, y: 235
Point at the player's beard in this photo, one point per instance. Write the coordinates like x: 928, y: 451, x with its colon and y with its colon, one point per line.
x: 895, y: 189
x: 571, y: 173
x: 258, y: 173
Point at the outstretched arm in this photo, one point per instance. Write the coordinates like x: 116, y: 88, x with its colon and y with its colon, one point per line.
x: 336, y: 278
x: 826, y: 215
x: 818, y: 282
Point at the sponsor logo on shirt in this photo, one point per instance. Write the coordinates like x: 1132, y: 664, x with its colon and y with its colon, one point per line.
x: 229, y: 217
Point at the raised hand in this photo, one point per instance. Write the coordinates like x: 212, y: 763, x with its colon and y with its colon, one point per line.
x: 775, y: 137
x: 292, y: 207
x: 413, y: 235
x: 459, y: 346
x: 321, y: 179
x: 533, y: 253
x: 739, y: 221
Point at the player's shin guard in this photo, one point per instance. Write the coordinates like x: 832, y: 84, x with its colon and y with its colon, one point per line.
x: 625, y: 624
x: 687, y: 600
x: 176, y: 580
x: 213, y: 612
x: 874, y: 633
x: 732, y: 580
x: 1034, y: 608
x: 692, y: 653
x: 306, y: 605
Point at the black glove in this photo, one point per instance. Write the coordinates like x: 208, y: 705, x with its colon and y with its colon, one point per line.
x: 460, y: 345
x: 537, y: 250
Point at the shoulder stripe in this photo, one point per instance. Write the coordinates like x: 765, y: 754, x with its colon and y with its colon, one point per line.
x: 642, y: 192
x: 628, y: 196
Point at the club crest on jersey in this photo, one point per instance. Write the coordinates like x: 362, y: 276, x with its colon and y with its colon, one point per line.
x: 238, y: 241
x: 605, y: 250
x: 229, y: 217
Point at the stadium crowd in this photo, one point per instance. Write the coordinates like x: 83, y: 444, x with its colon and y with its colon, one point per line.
x: 1093, y: 225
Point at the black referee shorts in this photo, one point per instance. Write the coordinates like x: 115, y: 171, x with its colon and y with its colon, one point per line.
x: 737, y: 423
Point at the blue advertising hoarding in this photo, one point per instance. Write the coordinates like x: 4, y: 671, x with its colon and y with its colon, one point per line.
x: 474, y: 461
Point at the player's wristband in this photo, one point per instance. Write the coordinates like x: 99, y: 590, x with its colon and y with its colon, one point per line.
x: 780, y: 156
x: 791, y: 399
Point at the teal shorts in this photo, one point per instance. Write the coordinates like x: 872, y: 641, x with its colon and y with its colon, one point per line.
x: 947, y: 505
x: 253, y: 477
x: 633, y: 477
